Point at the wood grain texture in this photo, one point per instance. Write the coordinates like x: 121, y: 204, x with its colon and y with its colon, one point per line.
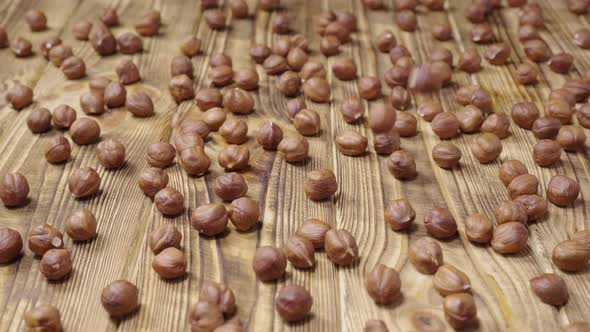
x: 126, y: 217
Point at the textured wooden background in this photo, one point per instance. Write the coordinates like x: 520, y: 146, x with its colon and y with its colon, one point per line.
x: 126, y: 216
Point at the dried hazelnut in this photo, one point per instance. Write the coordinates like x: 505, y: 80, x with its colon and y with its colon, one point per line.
x: 19, y: 96
x: 214, y: 118
x: 510, y: 238
x: 369, y: 87
x: 374, y: 325
x: 441, y: 31
x: 441, y: 54
x: 296, y: 58
x: 315, y: 231
x: 330, y: 45
x: 478, y: 228
x: 234, y: 131
x: 187, y: 141
x: 511, y: 169
x: 449, y: 280
x: 426, y: 255
x: 528, y: 32
x: 120, y: 298
x: 294, y: 148
x: 208, y: 98
x: 129, y: 43
x: 386, y: 142
x: 352, y: 110
x: 580, y: 89
x: 446, y: 155
x: 478, y: 97
x: 205, y: 316
x: 562, y: 191
x: 550, y: 288
x: 47, y: 44
x: 406, y: 20
x: 238, y: 101
x: 81, y: 30
x: 525, y: 184
x: 269, y: 135
x: 44, y: 237
x: 320, y: 184
x: 140, y: 104
x: 165, y: 236
x: 338, y: 30
x: 440, y: 223
x: 115, y: 95
x: 344, y: 69
x: 460, y: 310
x: 293, y: 303
x: 402, y: 165
x: 559, y: 109
x: 84, y: 182
x: 101, y: 39
x: 44, y: 317
x: 215, y: 19
x: 526, y: 74
x: 246, y: 79
x: 340, y: 247
x: 97, y: 85
x: 582, y: 38
x: 81, y: 226
x: 56, y: 264
x: 561, y: 63
x: 497, y: 124
x: 446, y: 125
x: 571, y: 256
x: 571, y: 138
x: 110, y: 154
x: 109, y: 17
x: 535, y: 205
x: 169, y: 201
x: 511, y: 211
x: 351, y: 143
x: 170, y: 263
x: 294, y: 106
x: 269, y: 263
x: 470, y: 61
x: 576, y: 327
x: 373, y: 4
x: 230, y: 186
x: 221, y: 75
x: 385, y: 41
x: 428, y: 110
x: 181, y: 88
x: 397, y: 52
x: 259, y: 53
x: 317, y: 89
x: 498, y: 54
x: 281, y: 47
x: 11, y: 245
x: 312, y: 69
x: 210, y: 219
x: 234, y: 158
x: 536, y: 50
x: 191, y: 46
x: 476, y: 12
x: 152, y: 180
x: 486, y: 147
x: 14, y: 189
x: 239, y: 8
x: 289, y: 84
x: 307, y: 122
x: 21, y: 47
x: 160, y: 154
x: 300, y: 252
x: 583, y: 115
x: 546, y: 127
x: 482, y: 34
x: 280, y: 23
x: 381, y: 117
x: 92, y: 104
x: 532, y: 17
x: 127, y: 72
x: 399, y: 214
x: 63, y: 116
x: 383, y: 284
x: 470, y: 119
x: 36, y: 20
x: 577, y: 7
x: 220, y: 295
x: 400, y: 98
x: 244, y: 213
x: 149, y: 23
x: 546, y: 152
x: 275, y: 64
x: 299, y: 40
x: 39, y: 120
x: 180, y: 65
x: 190, y: 126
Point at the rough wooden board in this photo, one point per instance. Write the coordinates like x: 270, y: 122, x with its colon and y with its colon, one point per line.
x: 126, y: 217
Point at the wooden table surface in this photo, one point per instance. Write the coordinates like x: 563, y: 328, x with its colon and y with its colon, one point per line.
x: 126, y: 217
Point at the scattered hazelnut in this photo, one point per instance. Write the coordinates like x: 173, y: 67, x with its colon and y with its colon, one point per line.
x: 293, y: 303
x: 386, y: 142
x: 460, y: 310
x: 191, y: 46
x: 486, y: 147
x: 39, y: 120
x: 19, y: 96
x: 221, y: 75
x: 190, y: 126
x: 340, y: 246
x: 320, y: 184
x: 446, y: 155
x: 428, y: 110
x: 578, y: 88
x: 81, y: 30
x: 383, y: 284
x: 351, y: 143
x: 269, y: 263
x: 269, y: 135
x: 165, y: 236
x: 115, y: 94
x: 239, y: 8
x: 498, y: 54
x: 400, y: 98
x: 406, y: 20
x: 509, y: 211
x: 312, y: 69
x: 440, y: 223
x: 561, y: 63
x: 244, y: 213
x: 344, y: 68
x: 510, y: 169
x: 120, y: 298
x: 315, y: 231
x: 208, y: 98
x: 562, y: 191
x: 426, y: 255
x: 478, y: 228
x: 296, y: 58
x: 300, y: 252
x: 233, y: 157
x: 182, y: 64
x: 56, y: 264
x: 381, y: 117
x: 497, y: 124
x: 307, y: 122
x: 317, y: 89
x: 546, y: 152
x: 559, y: 109
x: 170, y: 263
x: 160, y: 154
x: 44, y: 317
x: 399, y: 214
x: 110, y: 154
x: 127, y: 72
x: 470, y: 60
x: 140, y: 104
x: 446, y: 125
x: 571, y: 256
x: 234, y: 130
x: 535, y: 205
x: 550, y: 288
x: 582, y: 38
x: 289, y: 84
x: 525, y: 184
x: 294, y: 148
x: 571, y: 138
x: 470, y: 119
x: 441, y: 54
x: 510, y: 238
x: 220, y: 295
x: 402, y: 165
x: 92, y: 104
x: 275, y: 64
x: 101, y: 39
x: 214, y: 118
x: 21, y: 47
x: 294, y: 106
x: 352, y: 110
x: 205, y: 316
x: 441, y: 31
x: 215, y: 19
x: 149, y: 24
x: 11, y: 245
x: 482, y: 34
x: 369, y: 87
x: 63, y: 116
x: 536, y: 50
x: 449, y: 280
x: 230, y: 186
x: 187, y: 141
x: 36, y: 20
x: 14, y: 189
x: 47, y: 44
x: 374, y: 325
x: 526, y: 74
x: 109, y: 17
x: 169, y: 201
x: 583, y: 115
x: 81, y: 226
x: 84, y: 182
x: 44, y: 237
x: 246, y: 79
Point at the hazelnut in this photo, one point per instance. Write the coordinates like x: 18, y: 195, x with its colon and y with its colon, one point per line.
x: 383, y: 284
x: 373, y: 4
x: 307, y: 122
x: 344, y: 68
x: 580, y: 89
x: 115, y: 94
x: 532, y: 15
x: 470, y: 119
x: 352, y: 110
x: 214, y: 118
x: 165, y: 236
x: 381, y: 117
x: 36, y: 20
x: 152, y: 180
x: 441, y: 31
x: 293, y: 303
x: 571, y: 256
x: 536, y: 50
x: 374, y: 325
x: 460, y: 310
x: 244, y: 213
x: 340, y: 247
x: 194, y: 161
x: 369, y: 87
x: 81, y: 226
x: 215, y: 19
x: 294, y: 106
x: 120, y: 298
x: 482, y: 34
x: 330, y: 45
x: 497, y: 124
x: 21, y: 47
x: 400, y: 98
x: 511, y: 211
x: 128, y: 72
x: 205, y: 316
x: 312, y: 69
x: 486, y: 147
x: 84, y: 182
x: 449, y: 280
x: 160, y: 154
x: 110, y: 154
x: 39, y: 120
x: 269, y: 263
x: 440, y: 223
x: 294, y: 148
x: 397, y: 76
x: 559, y: 109
x: 510, y: 238
x: 230, y: 186
x: 182, y: 65
x: 446, y: 155
x: 234, y: 131
x: 92, y: 104
x: 191, y: 46
x: 510, y: 169
x: 446, y: 125
x: 246, y: 79
x: 169, y: 201
x: 299, y: 40
x: 81, y: 30
x: 170, y: 263
x: 296, y: 58
x: 315, y: 231
x: 426, y: 255
x: 528, y: 32
x: 583, y: 115
x: 535, y: 205
x: 386, y: 142
x: 221, y: 75
x: 289, y: 84
x: 129, y: 43
x: 526, y: 74
x: 525, y: 184
x: 351, y: 143
x: 428, y: 110
x: 190, y: 126
x: 561, y: 63
x: 300, y: 252
x: 63, y: 116
x: 19, y: 96
x: 406, y: 20
x: 399, y: 214
x: 562, y: 191
x: 402, y: 165
x: 109, y: 17
x: 476, y: 96
x: 338, y: 30
x: 14, y: 189
x: 275, y: 64
x: 577, y: 7
x: 476, y: 13
x: 546, y: 152
x: 56, y: 264
x: 550, y: 288
x: 576, y: 327
x: 73, y: 68
x: 208, y: 98
x: 220, y: 59
x: 498, y: 54
x: 239, y: 8
x: 441, y: 54
x: 220, y: 295
x: 320, y: 184
x: 11, y: 245
x: 582, y: 38
x: 470, y: 60
x: 44, y: 237
x: 234, y: 158
x: 238, y: 101
x: 269, y: 136
x: 280, y: 24
x: 571, y: 138
x: 259, y: 53
x: 149, y: 24
x: 44, y: 317
x: 478, y: 228
x: 317, y: 89
x: 140, y: 104
x: 101, y: 39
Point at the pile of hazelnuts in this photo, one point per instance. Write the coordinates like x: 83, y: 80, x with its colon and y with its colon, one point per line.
x: 229, y: 98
